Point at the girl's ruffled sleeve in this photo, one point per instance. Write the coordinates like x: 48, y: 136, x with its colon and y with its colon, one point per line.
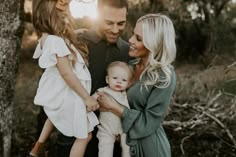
x: 53, y: 47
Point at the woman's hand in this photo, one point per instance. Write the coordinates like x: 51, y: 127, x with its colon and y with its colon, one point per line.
x: 104, y: 101
x: 91, y: 103
x: 108, y: 104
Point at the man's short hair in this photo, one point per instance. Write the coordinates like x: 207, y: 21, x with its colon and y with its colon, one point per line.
x: 113, y: 3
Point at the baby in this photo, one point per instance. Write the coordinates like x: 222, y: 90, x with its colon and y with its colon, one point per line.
x: 118, y: 78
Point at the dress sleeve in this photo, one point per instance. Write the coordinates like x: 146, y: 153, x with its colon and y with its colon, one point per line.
x: 142, y: 123
x: 53, y: 47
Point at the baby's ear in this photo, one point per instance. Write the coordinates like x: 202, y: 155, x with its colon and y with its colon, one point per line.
x: 129, y: 84
x: 107, y: 79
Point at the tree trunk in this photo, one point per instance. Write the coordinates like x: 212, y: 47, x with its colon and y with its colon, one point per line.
x: 10, y: 39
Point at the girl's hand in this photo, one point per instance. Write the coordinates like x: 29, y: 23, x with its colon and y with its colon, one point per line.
x: 91, y: 104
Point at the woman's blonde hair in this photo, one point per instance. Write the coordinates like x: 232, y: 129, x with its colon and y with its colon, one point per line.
x: 47, y: 18
x: 159, y: 39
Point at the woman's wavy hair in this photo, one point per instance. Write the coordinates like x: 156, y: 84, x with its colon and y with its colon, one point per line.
x: 159, y: 39
x: 47, y: 18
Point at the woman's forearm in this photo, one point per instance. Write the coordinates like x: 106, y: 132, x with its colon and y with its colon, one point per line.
x: 117, y: 109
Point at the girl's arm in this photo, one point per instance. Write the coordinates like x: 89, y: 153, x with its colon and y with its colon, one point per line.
x: 65, y: 69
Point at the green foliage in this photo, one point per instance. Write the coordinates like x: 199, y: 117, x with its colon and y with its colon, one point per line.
x: 204, y: 28
x: 226, y: 32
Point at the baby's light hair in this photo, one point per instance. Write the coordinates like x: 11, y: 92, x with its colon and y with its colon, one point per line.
x: 123, y: 65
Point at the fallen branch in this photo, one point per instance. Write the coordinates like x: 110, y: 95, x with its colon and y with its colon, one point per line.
x: 219, y: 123
x: 181, y: 125
x: 223, y: 126
x: 213, y: 99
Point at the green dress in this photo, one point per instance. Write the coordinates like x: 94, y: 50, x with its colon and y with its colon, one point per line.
x: 143, y: 121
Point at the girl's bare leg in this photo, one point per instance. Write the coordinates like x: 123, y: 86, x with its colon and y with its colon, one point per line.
x: 46, y: 131
x: 79, y: 146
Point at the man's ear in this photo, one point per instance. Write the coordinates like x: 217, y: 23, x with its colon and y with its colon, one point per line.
x: 107, y: 79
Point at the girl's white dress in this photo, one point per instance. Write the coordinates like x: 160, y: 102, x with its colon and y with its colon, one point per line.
x: 63, y: 106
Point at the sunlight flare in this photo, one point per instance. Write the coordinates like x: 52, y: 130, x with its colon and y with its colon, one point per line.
x: 81, y: 8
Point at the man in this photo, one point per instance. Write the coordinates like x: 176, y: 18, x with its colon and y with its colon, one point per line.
x: 104, y: 42
x: 105, y: 46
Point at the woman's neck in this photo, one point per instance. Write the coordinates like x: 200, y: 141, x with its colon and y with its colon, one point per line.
x: 143, y: 61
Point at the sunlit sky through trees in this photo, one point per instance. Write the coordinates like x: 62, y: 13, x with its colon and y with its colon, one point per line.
x: 81, y: 9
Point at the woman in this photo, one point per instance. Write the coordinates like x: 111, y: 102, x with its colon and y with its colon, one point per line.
x: 153, y: 46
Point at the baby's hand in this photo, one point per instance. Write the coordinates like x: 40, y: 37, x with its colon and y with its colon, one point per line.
x: 91, y: 104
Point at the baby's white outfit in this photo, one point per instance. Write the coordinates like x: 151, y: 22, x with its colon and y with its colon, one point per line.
x: 110, y: 126
x: 63, y: 106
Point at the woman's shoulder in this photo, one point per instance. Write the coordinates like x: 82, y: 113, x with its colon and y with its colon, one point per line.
x: 171, y: 75
x: 167, y: 78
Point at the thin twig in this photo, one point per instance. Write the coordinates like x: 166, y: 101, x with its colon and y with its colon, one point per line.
x: 231, y: 65
x: 182, y: 142
x: 210, y: 64
x: 213, y: 99
x: 229, y: 94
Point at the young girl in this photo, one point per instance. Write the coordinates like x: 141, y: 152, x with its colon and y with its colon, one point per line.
x: 65, y: 85
x: 118, y: 78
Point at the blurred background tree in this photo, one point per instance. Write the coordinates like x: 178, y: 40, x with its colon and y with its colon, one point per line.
x: 201, y: 25
x: 10, y: 39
